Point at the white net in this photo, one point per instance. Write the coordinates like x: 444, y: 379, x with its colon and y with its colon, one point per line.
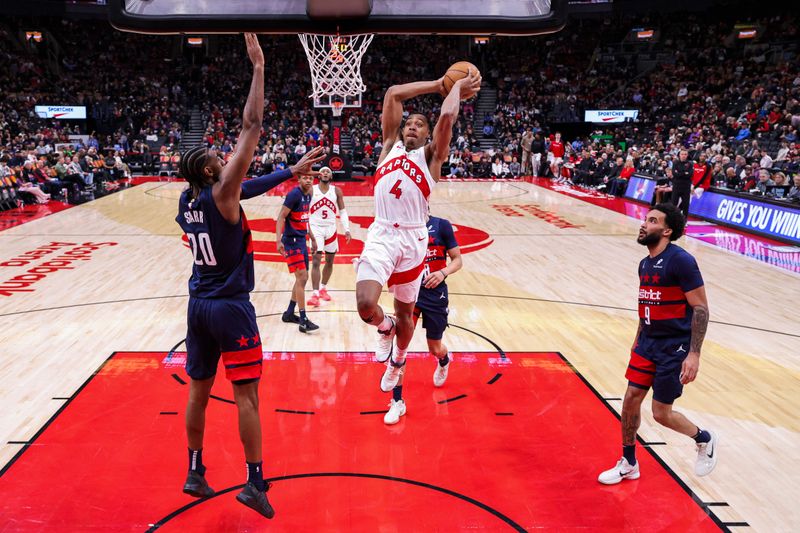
x: 335, y: 63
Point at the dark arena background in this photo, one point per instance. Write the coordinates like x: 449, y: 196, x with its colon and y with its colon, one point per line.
x: 578, y: 128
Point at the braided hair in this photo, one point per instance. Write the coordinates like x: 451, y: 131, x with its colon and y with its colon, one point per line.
x: 191, y: 166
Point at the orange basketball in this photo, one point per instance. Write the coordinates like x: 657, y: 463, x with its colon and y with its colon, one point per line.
x: 456, y: 72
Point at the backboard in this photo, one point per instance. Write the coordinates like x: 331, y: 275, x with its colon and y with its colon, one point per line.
x: 456, y: 17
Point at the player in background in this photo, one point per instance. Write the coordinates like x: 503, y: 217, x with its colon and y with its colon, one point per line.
x: 556, y: 156
x: 433, y: 306
x: 394, y: 253
x: 673, y: 318
x: 326, y: 201
x: 291, y: 229
x: 221, y: 321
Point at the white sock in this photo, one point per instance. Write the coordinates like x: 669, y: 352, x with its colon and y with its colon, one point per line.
x: 323, y: 287
x: 386, y: 324
x: 400, y: 355
x: 316, y: 293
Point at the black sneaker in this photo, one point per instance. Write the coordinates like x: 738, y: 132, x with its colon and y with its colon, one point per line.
x: 290, y: 317
x: 306, y: 326
x: 256, y: 500
x: 197, y: 486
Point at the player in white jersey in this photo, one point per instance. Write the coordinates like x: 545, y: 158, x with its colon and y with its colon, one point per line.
x: 326, y: 201
x: 394, y: 254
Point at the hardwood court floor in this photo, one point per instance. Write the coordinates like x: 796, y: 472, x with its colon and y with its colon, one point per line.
x: 547, y: 273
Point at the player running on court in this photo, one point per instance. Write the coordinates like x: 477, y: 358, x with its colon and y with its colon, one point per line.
x: 673, y: 318
x: 394, y: 254
x: 291, y: 230
x: 221, y: 321
x: 432, y: 306
x: 326, y: 201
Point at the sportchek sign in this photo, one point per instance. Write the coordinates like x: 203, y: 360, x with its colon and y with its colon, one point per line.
x: 77, y: 112
x: 606, y: 116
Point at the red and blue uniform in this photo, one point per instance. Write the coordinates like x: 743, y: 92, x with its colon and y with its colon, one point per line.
x: 296, y: 229
x: 221, y: 321
x: 432, y: 304
x: 665, y: 317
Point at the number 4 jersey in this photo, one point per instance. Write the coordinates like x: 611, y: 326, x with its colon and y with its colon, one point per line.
x: 403, y: 184
x: 222, y: 252
x: 664, y: 281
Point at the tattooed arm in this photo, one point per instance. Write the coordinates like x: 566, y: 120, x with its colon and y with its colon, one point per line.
x: 697, y: 299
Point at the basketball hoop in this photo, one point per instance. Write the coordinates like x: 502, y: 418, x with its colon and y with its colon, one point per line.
x: 335, y: 64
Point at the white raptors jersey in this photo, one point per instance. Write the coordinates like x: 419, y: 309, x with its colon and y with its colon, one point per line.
x: 403, y: 184
x: 323, y: 208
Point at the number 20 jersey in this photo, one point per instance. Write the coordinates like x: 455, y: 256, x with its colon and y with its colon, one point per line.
x: 222, y: 252
x: 403, y: 184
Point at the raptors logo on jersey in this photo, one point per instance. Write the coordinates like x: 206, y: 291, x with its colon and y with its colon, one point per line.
x: 323, y: 209
x: 403, y: 185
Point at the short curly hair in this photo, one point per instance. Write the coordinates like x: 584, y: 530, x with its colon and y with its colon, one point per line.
x: 673, y: 218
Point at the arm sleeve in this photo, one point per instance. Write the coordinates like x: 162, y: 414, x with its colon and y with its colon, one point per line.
x: 260, y: 185
x: 447, y: 235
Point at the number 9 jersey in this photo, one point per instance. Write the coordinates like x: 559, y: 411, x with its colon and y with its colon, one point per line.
x: 222, y: 252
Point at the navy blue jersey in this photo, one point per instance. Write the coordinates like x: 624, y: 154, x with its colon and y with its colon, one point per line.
x: 223, y: 252
x: 664, y: 281
x: 441, y: 238
x: 297, y: 219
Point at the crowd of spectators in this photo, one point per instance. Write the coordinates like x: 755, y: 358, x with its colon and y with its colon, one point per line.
x: 733, y: 107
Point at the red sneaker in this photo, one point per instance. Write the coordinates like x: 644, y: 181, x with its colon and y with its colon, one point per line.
x: 313, y: 301
x: 323, y: 293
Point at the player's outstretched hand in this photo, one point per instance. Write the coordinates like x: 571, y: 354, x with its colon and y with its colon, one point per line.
x: 254, y: 49
x: 303, y: 167
x: 470, y: 85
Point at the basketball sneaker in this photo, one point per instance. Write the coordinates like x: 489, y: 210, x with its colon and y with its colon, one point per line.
x: 306, y: 326
x: 256, y: 500
x: 707, y: 456
x: 623, y: 470
x: 385, y: 343
x: 197, y: 486
x: 440, y: 374
x: 396, y: 410
x: 290, y: 317
x: 323, y: 294
x: 313, y: 301
x: 392, y: 375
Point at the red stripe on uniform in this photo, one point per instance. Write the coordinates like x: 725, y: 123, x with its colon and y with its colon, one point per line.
x: 664, y: 294
x: 242, y: 356
x: 297, y: 225
x: 663, y: 312
x: 639, y: 369
x: 407, y: 276
x: 248, y: 234
x: 331, y: 239
x: 410, y: 169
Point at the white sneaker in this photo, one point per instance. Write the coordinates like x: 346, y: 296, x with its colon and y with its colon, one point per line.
x: 396, y: 410
x: 440, y: 374
x: 707, y: 456
x: 392, y: 375
x: 623, y: 470
x: 385, y: 343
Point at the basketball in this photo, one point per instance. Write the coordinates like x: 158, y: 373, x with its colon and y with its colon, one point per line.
x: 456, y: 72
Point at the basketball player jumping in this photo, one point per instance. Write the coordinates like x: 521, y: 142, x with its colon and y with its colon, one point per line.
x: 432, y: 306
x: 221, y: 320
x: 326, y: 201
x: 394, y: 253
x: 673, y: 318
